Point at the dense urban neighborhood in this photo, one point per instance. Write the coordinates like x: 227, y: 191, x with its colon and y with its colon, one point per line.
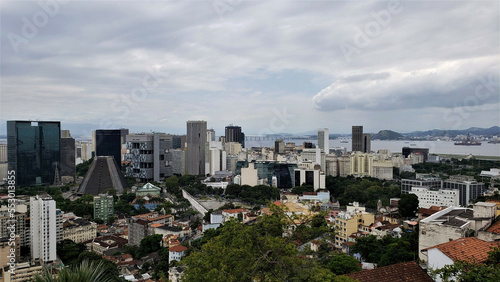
x: 160, y: 207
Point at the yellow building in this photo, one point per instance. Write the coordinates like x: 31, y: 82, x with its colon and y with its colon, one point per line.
x: 79, y: 230
x: 23, y: 272
x: 6, y: 254
x: 347, y: 223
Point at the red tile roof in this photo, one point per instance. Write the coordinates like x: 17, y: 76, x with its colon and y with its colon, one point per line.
x: 235, y: 210
x: 430, y: 211
x: 494, y: 228
x: 406, y: 271
x: 466, y: 249
x: 178, y: 249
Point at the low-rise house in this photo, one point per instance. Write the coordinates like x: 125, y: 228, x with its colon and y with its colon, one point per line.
x: 228, y: 214
x: 176, y: 253
x: 464, y: 249
x: 102, y: 244
x: 381, y: 229
x: 216, y: 220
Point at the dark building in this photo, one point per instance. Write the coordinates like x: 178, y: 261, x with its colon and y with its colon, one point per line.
x: 33, y: 152
x: 357, y: 138
x: 360, y: 142
x: 367, y: 143
x: 196, y: 139
x: 417, y: 151
x: 233, y: 134
x: 123, y: 135
x: 68, y: 153
x: 279, y: 146
x: 307, y: 145
x: 109, y: 143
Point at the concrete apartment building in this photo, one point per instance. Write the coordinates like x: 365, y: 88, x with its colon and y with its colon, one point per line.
x: 349, y: 222
x: 103, y: 207
x: 19, y: 218
x: 433, y: 197
x: 43, y: 228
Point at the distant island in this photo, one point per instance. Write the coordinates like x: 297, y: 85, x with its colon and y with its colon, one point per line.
x: 387, y: 135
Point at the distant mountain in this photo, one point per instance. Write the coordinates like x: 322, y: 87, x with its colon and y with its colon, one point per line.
x: 387, y: 135
x: 492, y: 131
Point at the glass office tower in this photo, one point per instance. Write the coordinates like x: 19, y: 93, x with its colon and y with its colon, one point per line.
x: 108, y: 143
x: 33, y: 151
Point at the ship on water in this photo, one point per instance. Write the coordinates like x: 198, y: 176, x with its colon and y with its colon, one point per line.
x: 468, y: 142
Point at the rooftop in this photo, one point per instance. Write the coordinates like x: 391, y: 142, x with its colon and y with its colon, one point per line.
x: 466, y: 249
x: 494, y: 228
x: 452, y: 216
x: 406, y: 271
x: 177, y: 249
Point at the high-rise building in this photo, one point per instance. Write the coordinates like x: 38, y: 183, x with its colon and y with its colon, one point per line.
x: 367, y: 143
x: 279, y: 146
x: 233, y: 134
x: 360, y: 142
x: 196, y: 145
x: 324, y: 140
x: 33, y: 151
x: 43, y: 227
x: 357, y: 138
x: 3, y: 163
x: 108, y: 143
x: 86, y: 151
x: 103, y: 207
x: 148, y: 156
x: 68, y: 154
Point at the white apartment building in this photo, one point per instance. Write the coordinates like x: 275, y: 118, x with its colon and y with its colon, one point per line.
x: 43, y: 227
x: 428, y: 197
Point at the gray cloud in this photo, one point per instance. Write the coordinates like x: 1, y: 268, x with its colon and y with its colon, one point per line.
x: 92, y: 54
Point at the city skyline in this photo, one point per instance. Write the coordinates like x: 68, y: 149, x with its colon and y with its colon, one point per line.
x: 269, y: 67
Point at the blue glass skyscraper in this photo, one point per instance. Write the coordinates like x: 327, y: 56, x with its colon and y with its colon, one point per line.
x: 33, y: 151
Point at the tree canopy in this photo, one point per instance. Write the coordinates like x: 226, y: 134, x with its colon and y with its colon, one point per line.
x: 408, y: 205
x: 261, y: 251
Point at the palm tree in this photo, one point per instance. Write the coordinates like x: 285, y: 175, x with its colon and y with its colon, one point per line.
x: 82, y: 273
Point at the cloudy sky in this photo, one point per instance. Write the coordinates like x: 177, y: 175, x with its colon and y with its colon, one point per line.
x: 268, y: 66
